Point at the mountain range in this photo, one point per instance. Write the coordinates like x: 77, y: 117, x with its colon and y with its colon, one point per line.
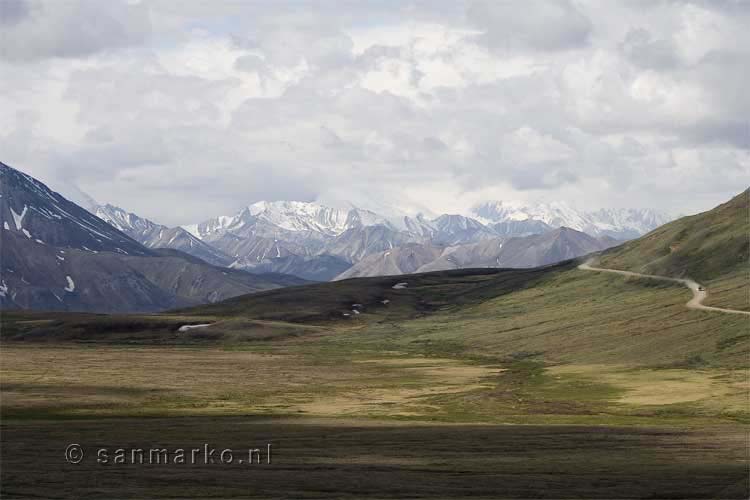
x: 57, y: 256
x: 323, y: 243
x: 60, y: 256
x: 518, y: 252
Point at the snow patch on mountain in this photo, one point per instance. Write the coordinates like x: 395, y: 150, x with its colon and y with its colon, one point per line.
x: 192, y: 229
x: 555, y: 214
x: 18, y: 219
x: 300, y: 216
x: 618, y: 223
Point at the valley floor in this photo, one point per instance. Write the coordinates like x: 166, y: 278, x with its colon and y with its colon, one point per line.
x: 64, y: 381
x: 385, y: 425
x: 472, y: 385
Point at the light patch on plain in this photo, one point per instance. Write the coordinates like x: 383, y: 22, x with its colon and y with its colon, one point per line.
x: 437, y: 377
x: 664, y: 387
x: 185, y: 328
x: 71, y: 284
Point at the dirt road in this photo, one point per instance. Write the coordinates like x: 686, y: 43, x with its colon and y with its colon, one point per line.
x: 698, y: 295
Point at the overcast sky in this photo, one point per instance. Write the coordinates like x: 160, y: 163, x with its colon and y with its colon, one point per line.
x: 182, y: 110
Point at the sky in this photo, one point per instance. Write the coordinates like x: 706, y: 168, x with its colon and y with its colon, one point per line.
x: 183, y: 110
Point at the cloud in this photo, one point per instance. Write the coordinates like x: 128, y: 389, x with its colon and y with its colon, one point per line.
x: 13, y: 11
x: 44, y: 29
x: 537, y: 24
x: 190, y: 111
x: 651, y: 54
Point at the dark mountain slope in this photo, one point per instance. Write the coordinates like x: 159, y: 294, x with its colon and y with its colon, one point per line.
x: 314, y: 268
x: 30, y: 209
x: 54, y: 255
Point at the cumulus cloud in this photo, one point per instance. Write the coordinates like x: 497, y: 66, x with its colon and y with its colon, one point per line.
x: 536, y: 24
x: 12, y: 11
x: 184, y: 113
x: 42, y: 29
x: 652, y: 54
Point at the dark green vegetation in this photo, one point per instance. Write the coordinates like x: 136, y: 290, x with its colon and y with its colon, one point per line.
x: 629, y: 393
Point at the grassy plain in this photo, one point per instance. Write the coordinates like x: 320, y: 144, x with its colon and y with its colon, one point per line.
x: 554, y: 383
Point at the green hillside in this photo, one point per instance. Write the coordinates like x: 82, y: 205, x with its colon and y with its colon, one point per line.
x: 703, y: 247
x: 553, y: 315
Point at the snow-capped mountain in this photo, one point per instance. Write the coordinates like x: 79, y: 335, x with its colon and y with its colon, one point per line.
x: 300, y: 216
x: 457, y: 229
x: 419, y: 226
x: 288, y: 216
x: 625, y: 223
x: 153, y: 235
x: 57, y: 256
x: 617, y: 223
x: 32, y: 210
x: 259, y: 235
x: 555, y: 214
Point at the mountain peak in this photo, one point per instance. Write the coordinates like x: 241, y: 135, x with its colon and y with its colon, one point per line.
x: 31, y: 209
x: 624, y: 223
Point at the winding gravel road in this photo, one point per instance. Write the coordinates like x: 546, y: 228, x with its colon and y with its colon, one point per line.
x: 698, y: 295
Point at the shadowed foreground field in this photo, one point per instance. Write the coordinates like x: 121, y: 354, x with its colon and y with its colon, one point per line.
x: 333, y: 459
